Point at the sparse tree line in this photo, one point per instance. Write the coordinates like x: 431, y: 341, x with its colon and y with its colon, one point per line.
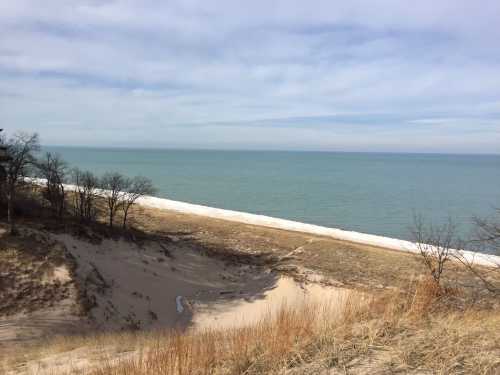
x: 19, y: 160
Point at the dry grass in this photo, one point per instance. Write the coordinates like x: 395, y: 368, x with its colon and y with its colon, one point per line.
x: 288, y: 339
x: 416, y: 331
x: 406, y: 332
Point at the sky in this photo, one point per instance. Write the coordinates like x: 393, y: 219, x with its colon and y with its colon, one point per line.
x: 380, y: 75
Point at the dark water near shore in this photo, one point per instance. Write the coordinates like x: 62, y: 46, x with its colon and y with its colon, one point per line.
x: 367, y: 192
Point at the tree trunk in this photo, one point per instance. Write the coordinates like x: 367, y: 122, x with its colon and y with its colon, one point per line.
x: 125, y: 212
x: 10, y: 212
x: 82, y: 206
x: 60, y: 207
x: 63, y: 202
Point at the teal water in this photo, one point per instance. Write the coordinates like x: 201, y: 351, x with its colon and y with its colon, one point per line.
x: 367, y: 192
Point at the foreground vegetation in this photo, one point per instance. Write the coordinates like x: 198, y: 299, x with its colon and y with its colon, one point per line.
x: 394, y: 332
x: 388, y: 333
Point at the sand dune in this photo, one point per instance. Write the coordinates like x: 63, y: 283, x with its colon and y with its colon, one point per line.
x: 140, y: 287
x: 239, y: 312
x: 150, y: 286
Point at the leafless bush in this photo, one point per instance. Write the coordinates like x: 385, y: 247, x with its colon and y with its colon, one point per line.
x: 488, y: 238
x: 87, y: 185
x: 488, y: 231
x: 54, y: 170
x: 435, y: 244
x: 137, y: 187
x: 114, y: 186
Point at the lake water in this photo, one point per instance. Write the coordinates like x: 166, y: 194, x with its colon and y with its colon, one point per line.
x: 368, y: 192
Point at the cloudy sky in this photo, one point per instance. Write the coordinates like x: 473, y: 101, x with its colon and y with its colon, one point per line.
x: 310, y: 75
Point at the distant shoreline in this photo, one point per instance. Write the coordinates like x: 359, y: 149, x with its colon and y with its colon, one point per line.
x: 277, y: 150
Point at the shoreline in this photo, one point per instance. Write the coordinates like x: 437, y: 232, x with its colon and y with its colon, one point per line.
x: 475, y: 257
x: 295, y: 226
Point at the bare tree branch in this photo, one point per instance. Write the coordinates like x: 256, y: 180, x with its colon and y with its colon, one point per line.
x: 138, y: 187
x: 114, y: 185
x: 85, y: 193
x: 488, y: 235
x: 54, y: 169
x: 488, y: 230
x: 435, y: 244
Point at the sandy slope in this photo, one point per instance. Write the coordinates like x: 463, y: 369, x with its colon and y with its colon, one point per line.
x: 37, y: 292
x: 150, y: 286
x: 126, y: 285
x: 141, y: 287
x: 238, y: 312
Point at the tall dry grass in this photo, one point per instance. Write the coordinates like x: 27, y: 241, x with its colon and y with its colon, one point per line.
x: 405, y: 331
x: 290, y: 337
x: 393, y: 331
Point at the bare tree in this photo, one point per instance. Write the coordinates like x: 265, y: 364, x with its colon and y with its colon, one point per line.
x: 137, y: 187
x: 20, y: 149
x: 54, y: 170
x: 488, y: 231
x: 86, y: 186
x: 4, y: 158
x: 487, y: 237
x: 436, y: 244
x: 114, y: 185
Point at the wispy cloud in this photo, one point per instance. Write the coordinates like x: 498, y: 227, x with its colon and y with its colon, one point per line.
x: 288, y: 74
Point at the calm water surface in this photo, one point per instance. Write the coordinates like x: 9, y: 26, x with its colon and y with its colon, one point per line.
x: 367, y: 192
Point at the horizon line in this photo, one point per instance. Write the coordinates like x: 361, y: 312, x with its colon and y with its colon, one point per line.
x: 186, y: 148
